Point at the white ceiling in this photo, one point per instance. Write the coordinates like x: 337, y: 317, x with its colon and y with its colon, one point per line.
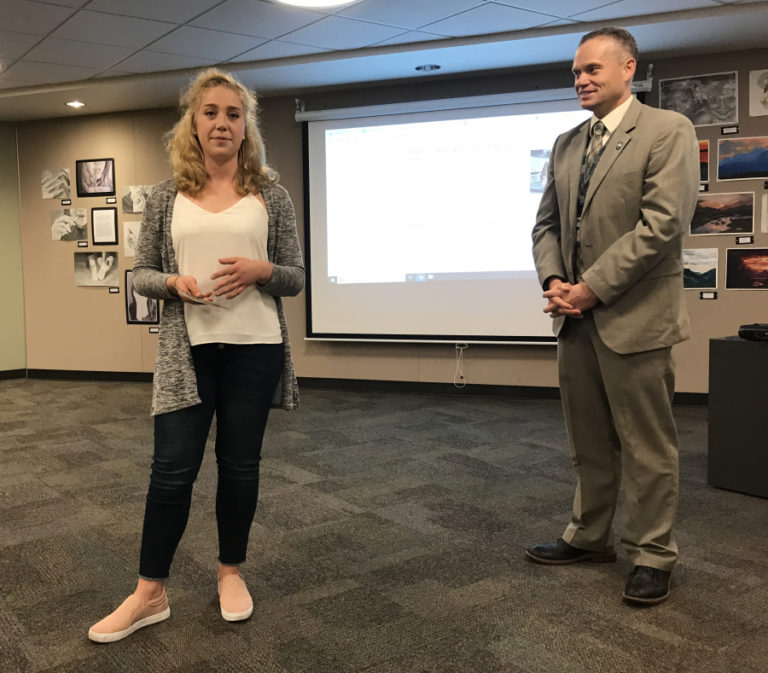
x: 134, y: 54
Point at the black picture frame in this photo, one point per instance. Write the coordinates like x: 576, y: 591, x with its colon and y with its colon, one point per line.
x: 95, y: 177
x: 104, y: 226
x: 139, y: 310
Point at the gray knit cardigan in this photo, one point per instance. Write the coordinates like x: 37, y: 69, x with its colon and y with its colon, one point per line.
x: 175, y: 384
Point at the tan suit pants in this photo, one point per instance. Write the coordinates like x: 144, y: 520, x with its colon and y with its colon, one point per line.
x: 618, y: 412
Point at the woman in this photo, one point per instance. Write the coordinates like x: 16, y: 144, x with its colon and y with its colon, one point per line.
x: 222, y: 233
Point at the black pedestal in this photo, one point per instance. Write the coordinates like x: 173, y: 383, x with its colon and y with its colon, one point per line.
x: 738, y: 415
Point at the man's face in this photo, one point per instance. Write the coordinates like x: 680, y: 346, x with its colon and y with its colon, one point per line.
x: 602, y: 72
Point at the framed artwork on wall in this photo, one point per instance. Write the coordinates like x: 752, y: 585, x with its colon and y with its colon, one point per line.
x: 55, y: 183
x: 95, y: 177
x: 97, y: 269
x: 707, y: 100
x: 742, y: 158
x: 104, y: 226
x: 724, y: 213
x: 746, y: 269
x: 700, y: 268
x: 69, y: 224
x: 139, y: 310
x: 758, y: 93
x: 134, y: 198
x: 703, y: 160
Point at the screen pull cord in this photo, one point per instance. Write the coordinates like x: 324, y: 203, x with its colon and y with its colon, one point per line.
x: 459, y: 380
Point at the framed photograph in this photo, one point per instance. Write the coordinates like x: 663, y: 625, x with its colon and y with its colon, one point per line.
x: 139, y: 310
x: 764, y: 215
x: 96, y: 269
x: 742, y: 158
x: 703, y: 160
x: 134, y: 198
x: 746, y: 269
x: 731, y: 213
x: 95, y: 177
x: 707, y: 100
x: 758, y: 93
x: 130, y: 237
x: 69, y: 224
x: 54, y: 183
x: 700, y: 268
x: 104, y: 226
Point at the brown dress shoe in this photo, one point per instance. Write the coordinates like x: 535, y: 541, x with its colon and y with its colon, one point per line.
x: 561, y: 553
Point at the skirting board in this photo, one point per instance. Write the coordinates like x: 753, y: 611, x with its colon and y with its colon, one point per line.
x: 365, y: 385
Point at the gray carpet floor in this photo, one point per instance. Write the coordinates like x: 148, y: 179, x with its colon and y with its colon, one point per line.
x: 388, y: 539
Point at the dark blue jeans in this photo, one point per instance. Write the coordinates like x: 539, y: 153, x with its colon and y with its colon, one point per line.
x: 236, y: 382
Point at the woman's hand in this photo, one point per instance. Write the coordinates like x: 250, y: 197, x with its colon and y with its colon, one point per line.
x: 238, y: 273
x: 180, y: 285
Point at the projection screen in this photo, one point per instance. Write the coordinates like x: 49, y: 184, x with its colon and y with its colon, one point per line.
x: 419, y: 222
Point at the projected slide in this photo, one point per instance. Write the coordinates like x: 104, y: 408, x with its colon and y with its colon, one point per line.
x: 420, y: 224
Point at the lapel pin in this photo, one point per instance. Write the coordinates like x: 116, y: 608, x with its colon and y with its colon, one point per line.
x: 619, y: 145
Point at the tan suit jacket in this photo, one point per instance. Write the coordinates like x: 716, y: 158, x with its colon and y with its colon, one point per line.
x: 638, y: 205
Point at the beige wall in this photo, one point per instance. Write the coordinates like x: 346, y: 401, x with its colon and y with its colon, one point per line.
x: 733, y: 307
x: 84, y: 328
x: 12, y: 346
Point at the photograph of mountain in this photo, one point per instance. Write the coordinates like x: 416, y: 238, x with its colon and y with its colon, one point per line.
x: 746, y: 269
x: 742, y: 158
x: 727, y: 213
x: 700, y: 268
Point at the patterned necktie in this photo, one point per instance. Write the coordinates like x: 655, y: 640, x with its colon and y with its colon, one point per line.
x: 591, y: 157
x: 593, y: 151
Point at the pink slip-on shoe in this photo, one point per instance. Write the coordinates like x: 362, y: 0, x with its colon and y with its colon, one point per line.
x: 132, y: 615
x: 234, y: 599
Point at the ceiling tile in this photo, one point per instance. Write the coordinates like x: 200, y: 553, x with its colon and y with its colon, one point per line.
x: 410, y: 37
x: 68, y: 3
x: 561, y: 22
x: 151, y: 61
x: 557, y: 7
x: 122, y: 31
x: 276, y: 49
x: 31, y: 72
x: 207, y: 44
x: 625, y: 8
x: 72, y: 52
x: 174, y: 11
x: 336, y: 32
x: 13, y: 45
x: 406, y: 13
x: 34, y: 18
x: 489, y: 18
x: 252, y: 17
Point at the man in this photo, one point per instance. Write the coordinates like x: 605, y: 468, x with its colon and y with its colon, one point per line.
x: 607, y: 242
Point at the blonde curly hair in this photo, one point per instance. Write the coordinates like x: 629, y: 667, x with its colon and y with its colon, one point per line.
x: 184, y: 149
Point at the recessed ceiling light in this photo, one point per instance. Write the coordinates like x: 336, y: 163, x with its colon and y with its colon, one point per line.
x: 427, y: 67
x: 75, y: 104
x: 316, y: 3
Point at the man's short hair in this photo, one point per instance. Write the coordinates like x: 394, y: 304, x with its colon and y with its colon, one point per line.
x: 622, y: 36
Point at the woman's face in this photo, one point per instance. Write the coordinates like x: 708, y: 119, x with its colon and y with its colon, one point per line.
x: 220, y: 124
